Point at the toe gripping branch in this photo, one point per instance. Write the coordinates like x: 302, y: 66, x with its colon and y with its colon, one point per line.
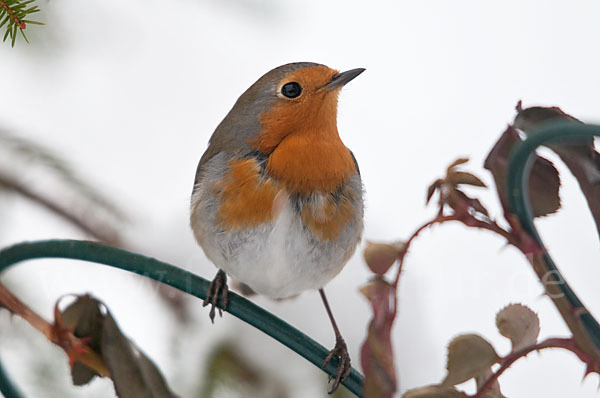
x: 340, y: 351
x: 218, y: 287
x: 179, y: 279
x: 582, y: 324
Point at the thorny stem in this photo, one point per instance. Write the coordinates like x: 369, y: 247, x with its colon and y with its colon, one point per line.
x: 583, y: 325
x: 12, y: 15
x: 468, y: 220
x: 16, y: 306
x: 58, y: 334
x: 492, y: 226
x: 506, y: 362
x: 440, y: 218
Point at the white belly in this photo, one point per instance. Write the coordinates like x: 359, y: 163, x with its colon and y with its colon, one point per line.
x: 280, y: 259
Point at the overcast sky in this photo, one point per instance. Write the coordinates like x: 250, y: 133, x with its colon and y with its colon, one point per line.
x: 130, y: 91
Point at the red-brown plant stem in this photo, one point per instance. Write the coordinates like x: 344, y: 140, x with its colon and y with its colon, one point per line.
x: 506, y: 362
x: 16, y: 306
x: 75, y: 348
x: 12, y: 15
x: 468, y: 220
x: 492, y: 226
x: 440, y: 218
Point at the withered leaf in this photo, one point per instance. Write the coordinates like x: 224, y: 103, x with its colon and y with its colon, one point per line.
x: 381, y: 256
x: 456, y: 163
x: 84, y: 316
x: 376, y: 355
x: 435, y: 391
x: 519, y: 324
x: 536, y: 116
x: 463, y: 177
x: 469, y: 355
x: 432, y: 188
x: 544, y: 180
x: 133, y: 373
x: 580, y: 157
x: 492, y: 391
x: 473, y: 203
x: 449, y: 193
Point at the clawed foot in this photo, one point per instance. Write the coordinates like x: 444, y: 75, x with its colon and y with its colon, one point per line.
x: 343, y: 369
x: 218, y: 287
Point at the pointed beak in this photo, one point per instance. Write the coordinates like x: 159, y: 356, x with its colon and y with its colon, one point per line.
x: 340, y: 79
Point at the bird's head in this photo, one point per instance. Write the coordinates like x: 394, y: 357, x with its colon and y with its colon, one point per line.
x: 293, y: 98
x: 290, y: 115
x: 304, y: 100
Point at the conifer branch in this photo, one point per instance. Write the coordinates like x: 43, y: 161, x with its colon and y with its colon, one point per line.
x: 14, y: 14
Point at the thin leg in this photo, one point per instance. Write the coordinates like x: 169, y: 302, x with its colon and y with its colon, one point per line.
x: 340, y: 350
x: 217, y: 287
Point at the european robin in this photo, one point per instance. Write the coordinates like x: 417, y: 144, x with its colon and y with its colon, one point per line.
x: 277, y: 202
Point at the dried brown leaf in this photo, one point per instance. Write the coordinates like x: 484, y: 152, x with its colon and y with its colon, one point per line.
x: 432, y: 188
x: 457, y: 201
x: 492, y: 391
x: 473, y: 203
x: 435, y: 391
x: 535, y: 117
x: 544, y: 180
x: 85, y: 318
x: 469, y: 355
x: 463, y: 177
x: 376, y: 355
x: 381, y: 256
x: 77, y: 349
x: 456, y: 163
x: 478, y: 207
x: 133, y: 373
x: 581, y: 157
x: 519, y: 324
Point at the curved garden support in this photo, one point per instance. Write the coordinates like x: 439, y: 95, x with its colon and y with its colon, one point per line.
x: 583, y: 325
x: 179, y: 279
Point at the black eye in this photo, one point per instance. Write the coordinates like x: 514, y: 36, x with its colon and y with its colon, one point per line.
x: 291, y: 90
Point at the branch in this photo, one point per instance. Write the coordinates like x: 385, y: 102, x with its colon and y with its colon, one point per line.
x: 75, y: 348
x: 585, y: 328
x: 13, y: 14
x: 437, y: 220
x: 467, y: 219
x: 506, y: 362
x: 186, y: 282
x: 580, y: 157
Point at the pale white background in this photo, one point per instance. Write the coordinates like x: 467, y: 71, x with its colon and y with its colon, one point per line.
x: 130, y: 91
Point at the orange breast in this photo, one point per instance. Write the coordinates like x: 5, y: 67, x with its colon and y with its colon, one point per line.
x: 305, y: 150
x: 305, y: 164
x: 247, y: 198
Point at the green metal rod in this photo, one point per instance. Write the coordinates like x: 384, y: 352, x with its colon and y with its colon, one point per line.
x: 519, y: 167
x: 179, y: 279
x: 6, y: 386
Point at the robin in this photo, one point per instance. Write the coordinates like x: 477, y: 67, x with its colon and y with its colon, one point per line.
x: 277, y: 202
